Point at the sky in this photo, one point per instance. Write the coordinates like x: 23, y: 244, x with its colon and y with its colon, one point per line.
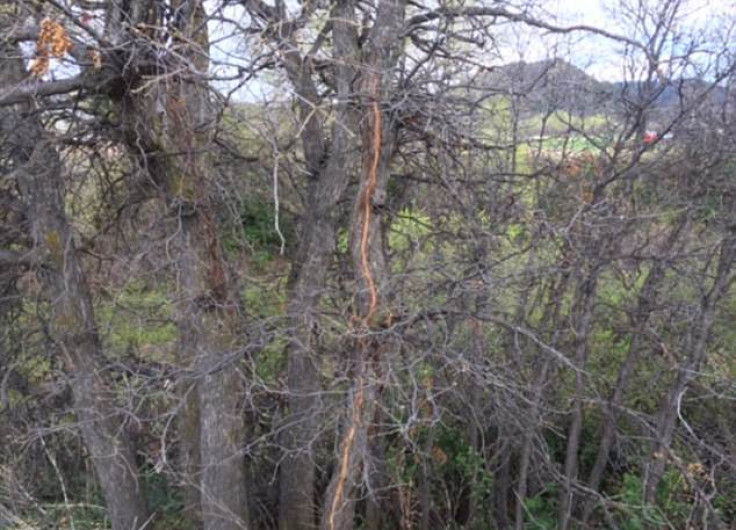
x: 598, y: 56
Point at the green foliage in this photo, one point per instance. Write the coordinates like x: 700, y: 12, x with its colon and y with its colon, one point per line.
x: 166, y: 502
x: 456, y: 471
x: 460, y: 465
x: 271, y: 361
x: 138, y: 318
x: 671, y: 510
x: 463, y: 460
x: 408, y: 229
x: 541, y: 509
x: 516, y: 232
x: 84, y: 517
x: 631, y: 494
x: 674, y: 497
x: 258, y: 223
x: 263, y: 298
x: 343, y: 241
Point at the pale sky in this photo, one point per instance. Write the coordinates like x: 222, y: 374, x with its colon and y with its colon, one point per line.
x: 599, y: 56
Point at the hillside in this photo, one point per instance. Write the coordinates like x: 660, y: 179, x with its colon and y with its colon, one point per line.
x: 556, y: 85
x: 550, y: 85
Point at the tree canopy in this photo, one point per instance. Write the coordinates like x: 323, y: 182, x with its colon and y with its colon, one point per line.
x: 366, y: 264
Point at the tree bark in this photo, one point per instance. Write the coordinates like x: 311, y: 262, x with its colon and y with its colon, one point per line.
x: 550, y: 321
x: 210, y: 299
x: 170, y: 130
x: 368, y: 259
x: 39, y: 175
x: 586, y: 304
x: 297, y: 510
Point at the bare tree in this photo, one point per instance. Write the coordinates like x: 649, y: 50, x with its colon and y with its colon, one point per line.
x: 412, y: 283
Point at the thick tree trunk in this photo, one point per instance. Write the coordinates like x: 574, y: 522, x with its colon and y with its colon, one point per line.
x: 368, y: 260
x: 39, y: 175
x: 297, y: 509
x: 210, y: 315
x: 210, y: 311
x: 378, y: 478
x: 189, y: 323
x: 170, y: 129
x: 223, y: 488
x: 190, y: 460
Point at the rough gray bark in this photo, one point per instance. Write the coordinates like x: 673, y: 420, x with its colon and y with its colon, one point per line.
x: 190, y: 328
x: 209, y: 297
x: 368, y: 258
x: 39, y: 175
x: 297, y: 510
x: 170, y: 131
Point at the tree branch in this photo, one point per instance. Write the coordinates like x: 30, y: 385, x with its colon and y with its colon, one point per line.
x: 31, y: 88
x: 523, y: 18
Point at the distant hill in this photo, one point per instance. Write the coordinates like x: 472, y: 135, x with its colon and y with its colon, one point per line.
x: 550, y: 85
x: 682, y: 90
x: 556, y: 85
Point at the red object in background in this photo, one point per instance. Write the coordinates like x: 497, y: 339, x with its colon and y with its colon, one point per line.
x: 650, y: 137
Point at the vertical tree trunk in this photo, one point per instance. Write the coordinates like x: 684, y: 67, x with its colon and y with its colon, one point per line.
x: 188, y: 324
x: 212, y: 308
x: 378, y: 479
x: 425, y: 490
x: 550, y: 320
x: 39, y: 175
x: 697, y: 350
x: 647, y: 300
x: 612, y: 409
x: 297, y: 510
x: 170, y: 129
x: 586, y: 304
x: 368, y: 259
x: 502, y: 487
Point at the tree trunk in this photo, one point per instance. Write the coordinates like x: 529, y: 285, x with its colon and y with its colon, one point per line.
x: 170, y: 129
x: 586, y: 301
x: 297, y: 510
x: 368, y: 260
x: 612, y: 409
x: 647, y: 300
x: 39, y: 175
x: 502, y: 487
x: 697, y: 351
x: 189, y: 420
x: 550, y: 320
